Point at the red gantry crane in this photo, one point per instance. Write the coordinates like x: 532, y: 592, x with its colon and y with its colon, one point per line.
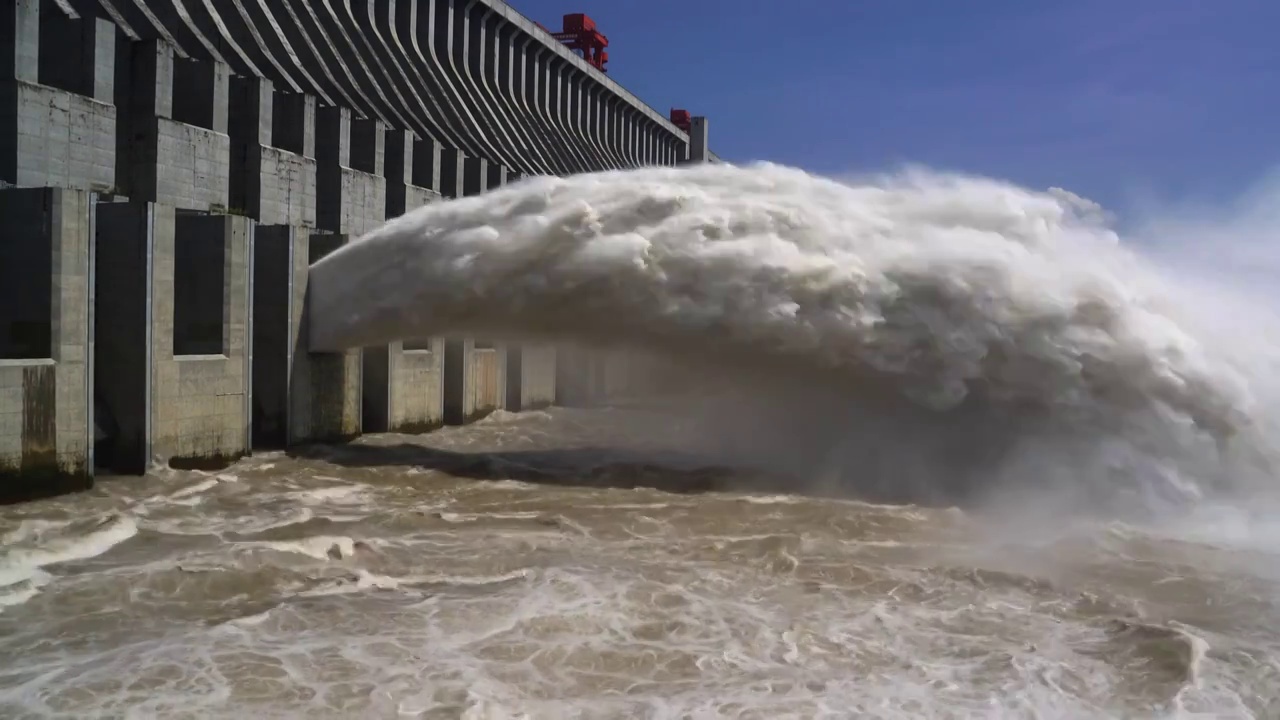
x: 681, y: 119
x: 579, y: 33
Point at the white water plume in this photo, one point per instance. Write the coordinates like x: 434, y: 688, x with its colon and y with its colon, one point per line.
x: 925, y: 324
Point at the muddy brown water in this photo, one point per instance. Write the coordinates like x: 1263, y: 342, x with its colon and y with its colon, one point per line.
x: 524, y: 567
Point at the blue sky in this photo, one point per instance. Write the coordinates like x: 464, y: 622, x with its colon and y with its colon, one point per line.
x: 1118, y: 100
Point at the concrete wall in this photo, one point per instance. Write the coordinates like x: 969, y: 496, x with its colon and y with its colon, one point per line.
x: 403, y: 381
x: 187, y: 410
x: 298, y: 396
x: 477, y: 76
x: 57, y: 120
x: 273, y: 153
x: 46, y: 374
x: 475, y: 380
x: 174, y: 113
x: 531, y: 376
x: 350, y: 187
x: 162, y: 139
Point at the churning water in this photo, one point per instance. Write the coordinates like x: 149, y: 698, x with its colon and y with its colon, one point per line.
x: 940, y: 447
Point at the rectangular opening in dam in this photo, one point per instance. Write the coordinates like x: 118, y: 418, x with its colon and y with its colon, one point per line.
x: 449, y: 173
x: 426, y: 160
x: 26, y: 274
x: 193, y: 92
x: 63, y: 63
x: 288, y: 121
x: 417, y: 345
x: 199, y: 284
x: 364, y: 145
x: 122, y: 297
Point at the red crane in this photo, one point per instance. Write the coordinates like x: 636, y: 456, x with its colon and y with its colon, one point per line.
x: 681, y: 119
x: 579, y: 33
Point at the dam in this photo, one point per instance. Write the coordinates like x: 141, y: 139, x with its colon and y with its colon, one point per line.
x: 171, y: 169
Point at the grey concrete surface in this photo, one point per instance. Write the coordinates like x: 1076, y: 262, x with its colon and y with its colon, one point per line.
x: 186, y: 410
x: 173, y: 148
x: 164, y: 136
x: 298, y: 396
x: 46, y: 346
x: 57, y: 117
x: 350, y: 187
x: 273, y: 154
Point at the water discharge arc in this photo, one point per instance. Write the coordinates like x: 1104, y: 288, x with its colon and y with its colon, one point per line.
x: 962, y: 319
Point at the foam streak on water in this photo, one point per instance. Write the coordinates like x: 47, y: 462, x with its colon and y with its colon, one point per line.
x: 439, y: 595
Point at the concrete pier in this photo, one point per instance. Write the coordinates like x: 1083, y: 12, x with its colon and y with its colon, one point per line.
x: 299, y: 396
x: 531, y: 376
x: 172, y: 302
x: 403, y: 381
x: 168, y: 174
x: 46, y: 341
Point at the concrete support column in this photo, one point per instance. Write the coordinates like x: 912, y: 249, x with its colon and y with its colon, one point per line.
x: 474, y: 173
x: 177, y: 149
x: 273, y: 166
x: 402, y: 381
x: 495, y: 176
x: 298, y: 396
x: 426, y: 164
x: 57, y: 121
x: 20, y: 35
x: 474, y: 370
x: 350, y: 187
x: 698, y: 147
x: 46, y: 342
x: 452, y: 163
x: 405, y: 173
x: 174, y: 289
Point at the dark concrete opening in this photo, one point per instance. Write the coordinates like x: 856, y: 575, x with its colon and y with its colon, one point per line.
x: 328, y: 372
x: 503, y: 34
x: 454, y: 381
x: 193, y: 92
x: 472, y: 177
x: 199, y: 284
x: 475, y: 38
x: 426, y: 161
x: 449, y: 173
x: 484, y: 345
x: 288, y: 121
x: 272, y: 294
x: 496, y: 177
x: 245, y: 129
x: 66, y: 56
x: 515, y: 377
x: 26, y: 274
x: 122, y: 336
x: 417, y: 345
x: 459, y: 33
x: 364, y: 145
x: 375, y: 365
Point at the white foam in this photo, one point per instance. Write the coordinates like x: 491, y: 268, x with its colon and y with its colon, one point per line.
x: 320, y: 547
x: 937, y: 288
x: 20, y: 567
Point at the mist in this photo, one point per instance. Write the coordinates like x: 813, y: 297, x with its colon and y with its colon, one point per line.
x: 913, y: 337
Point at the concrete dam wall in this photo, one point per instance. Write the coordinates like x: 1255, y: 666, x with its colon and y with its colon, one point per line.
x: 170, y: 169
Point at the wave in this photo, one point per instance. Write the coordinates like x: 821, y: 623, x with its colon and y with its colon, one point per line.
x: 940, y: 331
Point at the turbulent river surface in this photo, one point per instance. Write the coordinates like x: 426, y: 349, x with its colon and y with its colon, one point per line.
x: 1072, y: 449
x: 561, y: 564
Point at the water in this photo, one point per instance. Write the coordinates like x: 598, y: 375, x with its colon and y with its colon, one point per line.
x: 938, y: 447
x: 518, y: 569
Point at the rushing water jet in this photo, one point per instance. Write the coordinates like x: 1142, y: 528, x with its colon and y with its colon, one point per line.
x: 965, y: 301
